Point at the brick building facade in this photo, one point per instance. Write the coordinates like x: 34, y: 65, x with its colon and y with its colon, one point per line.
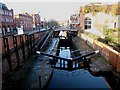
x: 74, y: 20
x: 81, y: 19
x: 7, y: 19
x: 24, y: 21
x: 36, y: 21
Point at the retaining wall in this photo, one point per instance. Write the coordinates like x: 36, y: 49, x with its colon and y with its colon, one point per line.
x: 16, y: 48
x: 106, y: 51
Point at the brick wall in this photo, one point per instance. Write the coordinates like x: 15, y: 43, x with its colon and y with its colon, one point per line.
x: 118, y: 64
x: 1, y: 45
x: 81, y: 19
x: 16, y: 54
x: 106, y: 51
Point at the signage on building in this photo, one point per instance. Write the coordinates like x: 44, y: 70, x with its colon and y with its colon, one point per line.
x: 20, y: 31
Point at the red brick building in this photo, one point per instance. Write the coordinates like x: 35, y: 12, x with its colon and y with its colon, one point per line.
x: 24, y: 21
x: 81, y: 19
x: 7, y: 19
x: 36, y: 21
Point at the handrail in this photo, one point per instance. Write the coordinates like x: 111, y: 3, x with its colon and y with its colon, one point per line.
x: 66, y: 59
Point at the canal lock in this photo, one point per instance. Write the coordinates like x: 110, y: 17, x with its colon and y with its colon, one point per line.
x: 67, y: 74
x: 66, y: 50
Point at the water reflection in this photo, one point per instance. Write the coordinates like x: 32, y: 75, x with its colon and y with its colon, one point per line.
x: 80, y: 78
x: 77, y: 79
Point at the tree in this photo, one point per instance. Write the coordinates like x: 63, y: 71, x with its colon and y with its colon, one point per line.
x: 87, y: 9
x: 52, y: 23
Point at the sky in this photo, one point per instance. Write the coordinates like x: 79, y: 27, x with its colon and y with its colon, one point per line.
x: 59, y: 10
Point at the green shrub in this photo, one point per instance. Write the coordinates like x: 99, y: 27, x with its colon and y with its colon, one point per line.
x: 93, y: 36
x: 107, y: 31
x: 111, y: 37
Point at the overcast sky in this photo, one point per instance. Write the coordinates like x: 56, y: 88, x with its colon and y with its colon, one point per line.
x: 50, y: 9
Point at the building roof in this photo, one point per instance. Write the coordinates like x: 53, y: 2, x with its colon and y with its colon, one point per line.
x: 3, y: 6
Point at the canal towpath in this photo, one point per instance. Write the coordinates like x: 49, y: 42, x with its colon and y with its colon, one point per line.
x: 98, y: 63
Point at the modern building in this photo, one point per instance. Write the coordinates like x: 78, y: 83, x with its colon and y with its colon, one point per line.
x: 6, y: 19
x: 24, y: 21
x: 36, y: 21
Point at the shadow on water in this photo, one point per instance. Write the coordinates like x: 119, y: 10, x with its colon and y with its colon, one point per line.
x: 77, y: 76
x: 81, y: 77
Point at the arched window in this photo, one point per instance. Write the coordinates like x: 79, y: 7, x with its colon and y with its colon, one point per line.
x: 87, y: 23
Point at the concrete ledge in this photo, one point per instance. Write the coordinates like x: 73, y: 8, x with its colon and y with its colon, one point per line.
x: 118, y: 64
x: 106, y: 51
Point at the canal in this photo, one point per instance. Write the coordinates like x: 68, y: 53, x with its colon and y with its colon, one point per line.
x: 79, y: 78
x: 39, y: 73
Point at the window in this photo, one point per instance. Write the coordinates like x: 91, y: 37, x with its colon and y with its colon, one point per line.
x: 2, y: 12
x: 21, y: 17
x: 11, y: 20
x: 3, y: 20
x: 4, y: 31
x: 7, y: 20
x: 8, y: 29
x: 85, y: 26
x: 5, y: 12
x: 12, y: 29
x: 0, y: 30
x: 87, y: 23
x: 10, y: 13
x: 21, y: 22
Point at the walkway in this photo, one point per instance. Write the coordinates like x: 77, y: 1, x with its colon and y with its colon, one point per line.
x: 98, y: 63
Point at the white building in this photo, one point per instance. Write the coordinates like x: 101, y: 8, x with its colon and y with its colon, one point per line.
x: 95, y: 24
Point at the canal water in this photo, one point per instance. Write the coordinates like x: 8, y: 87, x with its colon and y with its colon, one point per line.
x: 80, y: 78
x: 27, y: 76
